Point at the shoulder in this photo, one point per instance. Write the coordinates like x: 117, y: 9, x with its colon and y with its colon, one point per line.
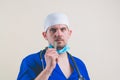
x: 30, y: 64
x: 82, y: 68
x: 32, y: 56
x: 31, y: 59
x: 80, y: 63
x: 78, y: 60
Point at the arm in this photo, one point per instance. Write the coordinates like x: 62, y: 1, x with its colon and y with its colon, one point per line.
x: 44, y: 75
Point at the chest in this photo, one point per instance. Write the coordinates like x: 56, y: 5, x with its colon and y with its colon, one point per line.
x: 65, y: 67
x: 62, y: 72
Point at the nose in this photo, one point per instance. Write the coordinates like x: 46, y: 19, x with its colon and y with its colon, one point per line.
x: 58, y: 33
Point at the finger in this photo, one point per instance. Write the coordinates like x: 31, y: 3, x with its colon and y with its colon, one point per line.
x: 51, y: 51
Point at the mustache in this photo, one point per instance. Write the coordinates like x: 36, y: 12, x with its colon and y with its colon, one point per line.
x: 58, y: 38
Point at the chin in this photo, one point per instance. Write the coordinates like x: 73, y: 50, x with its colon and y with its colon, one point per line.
x: 60, y: 46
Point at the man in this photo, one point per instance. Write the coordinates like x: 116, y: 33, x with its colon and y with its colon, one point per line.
x: 54, y: 62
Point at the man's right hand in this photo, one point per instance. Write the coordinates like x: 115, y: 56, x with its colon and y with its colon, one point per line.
x: 51, y: 58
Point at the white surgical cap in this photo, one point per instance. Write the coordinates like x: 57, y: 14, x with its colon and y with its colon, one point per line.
x: 55, y: 18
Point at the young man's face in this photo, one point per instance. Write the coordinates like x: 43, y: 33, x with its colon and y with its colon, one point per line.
x: 59, y: 33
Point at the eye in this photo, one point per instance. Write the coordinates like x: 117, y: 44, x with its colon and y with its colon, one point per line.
x: 53, y: 30
x: 63, y: 29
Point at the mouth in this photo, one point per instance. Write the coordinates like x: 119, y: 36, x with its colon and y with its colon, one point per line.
x: 58, y: 40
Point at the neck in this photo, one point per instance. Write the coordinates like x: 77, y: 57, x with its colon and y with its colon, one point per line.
x: 59, y: 50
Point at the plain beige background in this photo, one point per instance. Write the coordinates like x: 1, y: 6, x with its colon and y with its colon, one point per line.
x: 95, y: 38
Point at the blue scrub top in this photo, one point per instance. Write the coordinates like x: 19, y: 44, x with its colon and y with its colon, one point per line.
x: 31, y: 67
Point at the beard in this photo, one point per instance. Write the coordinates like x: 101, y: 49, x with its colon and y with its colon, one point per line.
x: 60, y: 42
x: 60, y: 45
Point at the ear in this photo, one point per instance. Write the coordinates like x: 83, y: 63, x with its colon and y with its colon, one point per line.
x: 44, y: 35
x: 70, y: 32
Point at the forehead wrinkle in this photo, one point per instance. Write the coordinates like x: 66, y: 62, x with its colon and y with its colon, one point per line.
x: 57, y: 26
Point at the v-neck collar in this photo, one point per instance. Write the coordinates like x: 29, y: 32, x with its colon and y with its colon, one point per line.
x: 59, y: 71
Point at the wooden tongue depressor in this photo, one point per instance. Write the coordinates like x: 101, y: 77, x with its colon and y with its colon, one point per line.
x: 55, y: 45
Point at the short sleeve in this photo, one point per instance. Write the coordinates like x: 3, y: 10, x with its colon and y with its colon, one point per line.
x: 82, y: 68
x: 30, y: 67
x: 26, y: 72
